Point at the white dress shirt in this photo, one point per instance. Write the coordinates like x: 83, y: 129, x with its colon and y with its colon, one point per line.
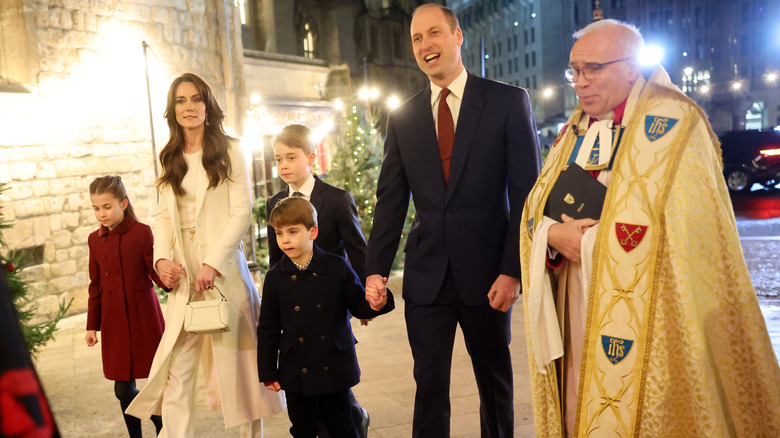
x: 454, y: 99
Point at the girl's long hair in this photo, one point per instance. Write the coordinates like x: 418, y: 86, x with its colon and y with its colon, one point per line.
x: 112, y: 184
x: 216, y: 142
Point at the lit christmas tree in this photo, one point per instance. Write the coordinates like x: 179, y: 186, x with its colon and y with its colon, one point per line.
x: 355, y: 162
x: 35, y: 335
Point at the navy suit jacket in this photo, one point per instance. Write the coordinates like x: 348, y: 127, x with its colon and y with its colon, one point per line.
x: 339, y: 227
x: 473, y: 222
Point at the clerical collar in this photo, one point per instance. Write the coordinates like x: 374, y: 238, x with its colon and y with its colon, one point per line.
x: 618, y: 114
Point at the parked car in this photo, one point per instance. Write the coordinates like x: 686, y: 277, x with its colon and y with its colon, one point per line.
x: 750, y: 157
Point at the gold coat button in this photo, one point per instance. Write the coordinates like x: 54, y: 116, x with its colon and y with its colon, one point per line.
x: 300, y: 340
x: 325, y: 369
x: 304, y: 371
x: 294, y: 277
x: 314, y: 274
x: 322, y: 338
x: 297, y: 308
x: 319, y: 306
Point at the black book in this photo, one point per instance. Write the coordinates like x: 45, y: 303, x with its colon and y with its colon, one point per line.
x: 576, y: 193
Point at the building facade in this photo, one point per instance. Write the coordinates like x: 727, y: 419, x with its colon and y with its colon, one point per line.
x: 724, y: 54
x: 75, y: 104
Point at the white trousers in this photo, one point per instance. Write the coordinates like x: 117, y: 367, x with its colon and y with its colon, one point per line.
x: 178, y: 402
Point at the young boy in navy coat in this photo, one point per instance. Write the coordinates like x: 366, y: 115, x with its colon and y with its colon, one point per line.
x: 305, y: 341
x: 338, y: 223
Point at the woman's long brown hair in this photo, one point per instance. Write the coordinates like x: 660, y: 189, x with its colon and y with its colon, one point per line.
x: 216, y: 142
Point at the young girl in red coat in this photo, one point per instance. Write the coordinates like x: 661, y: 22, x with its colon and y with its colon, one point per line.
x: 122, y: 302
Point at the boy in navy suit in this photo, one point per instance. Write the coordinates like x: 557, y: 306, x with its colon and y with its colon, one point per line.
x: 305, y: 341
x: 339, y: 227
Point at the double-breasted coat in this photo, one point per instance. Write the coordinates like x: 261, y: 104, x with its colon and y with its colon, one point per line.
x: 122, y: 304
x: 223, y: 214
x: 305, y: 340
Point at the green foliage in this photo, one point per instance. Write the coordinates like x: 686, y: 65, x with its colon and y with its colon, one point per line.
x: 356, y: 159
x: 35, y: 335
x: 354, y: 167
x: 258, y: 216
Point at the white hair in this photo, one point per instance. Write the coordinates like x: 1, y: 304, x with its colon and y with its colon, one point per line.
x: 630, y: 42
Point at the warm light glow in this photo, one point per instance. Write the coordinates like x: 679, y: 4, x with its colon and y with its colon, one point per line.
x: 338, y: 104
x: 770, y: 152
x: 704, y: 89
x: 651, y: 55
x: 393, y: 102
x: 771, y: 77
x: 688, y: 71
x: 255, y: 99
x: 318, y: 133
x: 77, y: 98
x: 547, y: 93
x: 736, y: 85
x: 366, y: 93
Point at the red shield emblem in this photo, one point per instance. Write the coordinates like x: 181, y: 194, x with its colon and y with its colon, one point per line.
x: 629, y: 235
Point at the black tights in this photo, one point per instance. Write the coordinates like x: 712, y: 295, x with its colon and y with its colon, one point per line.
x: 126, y: 392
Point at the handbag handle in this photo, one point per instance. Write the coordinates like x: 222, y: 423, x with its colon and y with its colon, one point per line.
x: 215, y: 287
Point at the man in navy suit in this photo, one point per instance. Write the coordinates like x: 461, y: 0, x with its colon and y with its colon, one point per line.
x: 468, y: 164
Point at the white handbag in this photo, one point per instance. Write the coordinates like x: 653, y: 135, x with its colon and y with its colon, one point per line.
x: 207, y: 316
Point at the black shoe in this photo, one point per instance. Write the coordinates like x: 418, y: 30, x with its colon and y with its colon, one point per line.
x: 362, y: 426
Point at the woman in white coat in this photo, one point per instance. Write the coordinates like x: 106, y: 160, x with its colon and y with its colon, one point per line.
x: 203, y: 214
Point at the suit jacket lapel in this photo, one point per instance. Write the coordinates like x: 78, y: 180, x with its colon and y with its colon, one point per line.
x: 429, y: 144
x: 468, y: 119
x: 316, y: 197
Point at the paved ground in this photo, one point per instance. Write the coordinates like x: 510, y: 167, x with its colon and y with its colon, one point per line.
x: 84, y: 403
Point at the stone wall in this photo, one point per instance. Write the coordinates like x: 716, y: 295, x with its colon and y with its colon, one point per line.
x: 85, y: 114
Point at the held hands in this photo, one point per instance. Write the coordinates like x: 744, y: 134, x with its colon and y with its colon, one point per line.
x: 273, y: 386
x: 376, y: 293
x: 169, y: 273
x: 205, y: 279
x: 91, y: 338
x: 504, y: 292
x: 567, y: 237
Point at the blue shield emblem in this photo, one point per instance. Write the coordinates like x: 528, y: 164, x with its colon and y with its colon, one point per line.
x: 616, y: 349
x: 531, y: 227
x: 656, y: 126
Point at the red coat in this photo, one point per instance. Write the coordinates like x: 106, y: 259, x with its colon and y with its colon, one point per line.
x: 122, y: 302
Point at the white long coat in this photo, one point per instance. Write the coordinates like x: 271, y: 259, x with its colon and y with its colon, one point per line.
x: 223, y: 215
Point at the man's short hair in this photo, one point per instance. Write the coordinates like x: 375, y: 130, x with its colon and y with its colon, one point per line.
x: 296, y: 136
x: 630, y: 43
x: 449, y: 15
x: 293, y: 211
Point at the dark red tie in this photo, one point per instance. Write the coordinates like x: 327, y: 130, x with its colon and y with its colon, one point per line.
x: 446, y: 133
